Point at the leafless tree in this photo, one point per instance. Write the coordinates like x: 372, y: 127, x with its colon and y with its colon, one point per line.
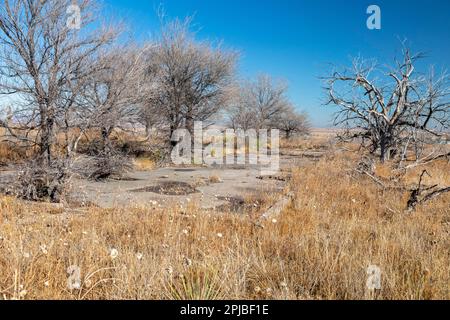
x: 260, y: 103
x: 192, y: 77
x: 151, y: 115
x: 111, y: 97
x: 241, y: 117
x: 291, y: 122
x: 44, y: 63
x: 391, y: 109
x: 111, y: 100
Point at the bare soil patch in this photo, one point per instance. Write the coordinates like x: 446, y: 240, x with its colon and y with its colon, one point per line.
x: 170, y: 188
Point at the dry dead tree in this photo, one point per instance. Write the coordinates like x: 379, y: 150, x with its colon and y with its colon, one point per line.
x: 418, y: 195
x: 111, y: 96
x: 427, y: 160
x: 390, y: 111
x: 110, y: 100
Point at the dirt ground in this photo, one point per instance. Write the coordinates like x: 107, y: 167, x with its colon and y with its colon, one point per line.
x: 207, y: 186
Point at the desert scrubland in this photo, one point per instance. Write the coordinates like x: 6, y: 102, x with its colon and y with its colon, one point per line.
x: 96, y: 204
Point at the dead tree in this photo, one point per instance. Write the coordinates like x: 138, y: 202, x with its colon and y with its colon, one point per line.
x: 239, y: 115
x: 44, y: 63
x: 390, y: 110
x: 110, y: 101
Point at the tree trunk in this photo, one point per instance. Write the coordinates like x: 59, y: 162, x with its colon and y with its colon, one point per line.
x: 386, y: 147
x: 106, y: 132
x: 172, y: 130
x: 148, y: 128
x: 46, y: 141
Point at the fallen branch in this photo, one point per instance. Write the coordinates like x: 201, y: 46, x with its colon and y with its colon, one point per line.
x: 277, y: 208
x: 414, y: 200
x: 378, y: 181
x: 425, y: 162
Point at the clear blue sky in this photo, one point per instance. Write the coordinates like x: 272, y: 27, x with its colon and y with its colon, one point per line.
x: 297, y: 39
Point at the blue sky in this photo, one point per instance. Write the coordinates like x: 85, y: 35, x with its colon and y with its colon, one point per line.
x: 297, y: 39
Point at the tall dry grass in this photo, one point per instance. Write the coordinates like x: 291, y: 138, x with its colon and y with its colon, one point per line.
x: 318, y: 248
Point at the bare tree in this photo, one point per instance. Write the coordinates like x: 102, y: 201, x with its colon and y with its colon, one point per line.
x: 259, y: 103
x: 111, y: 96
x: 192, y: 77
x: 392, y: 109
x: 44, y: 63
x: 109, y: 101
x: 241, y: 117
x: 151, y: 115
x: 291, y: 122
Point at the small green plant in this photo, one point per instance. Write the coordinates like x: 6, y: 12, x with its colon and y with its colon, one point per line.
x: 195, y: 284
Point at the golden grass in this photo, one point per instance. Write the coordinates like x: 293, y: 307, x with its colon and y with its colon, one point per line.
x: 318, y: 248
x: 144, y: 164
x: 316, y: 141
x: 214, y: 179
x: 9, y: 154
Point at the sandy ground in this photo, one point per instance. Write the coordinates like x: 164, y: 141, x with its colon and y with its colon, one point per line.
x: 207, y: 186
x: 210, y: 187
x: 168, y: 186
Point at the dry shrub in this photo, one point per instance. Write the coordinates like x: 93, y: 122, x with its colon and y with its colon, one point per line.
x: 214, y: 179
x: 36, y: 182
x: 104, y: 165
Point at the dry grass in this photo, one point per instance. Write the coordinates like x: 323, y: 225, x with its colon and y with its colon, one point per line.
x: 214, y: 179
x: 319, y: 139
x: 319, y: 248
x: 10, y: 153
x: 144, y: 164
